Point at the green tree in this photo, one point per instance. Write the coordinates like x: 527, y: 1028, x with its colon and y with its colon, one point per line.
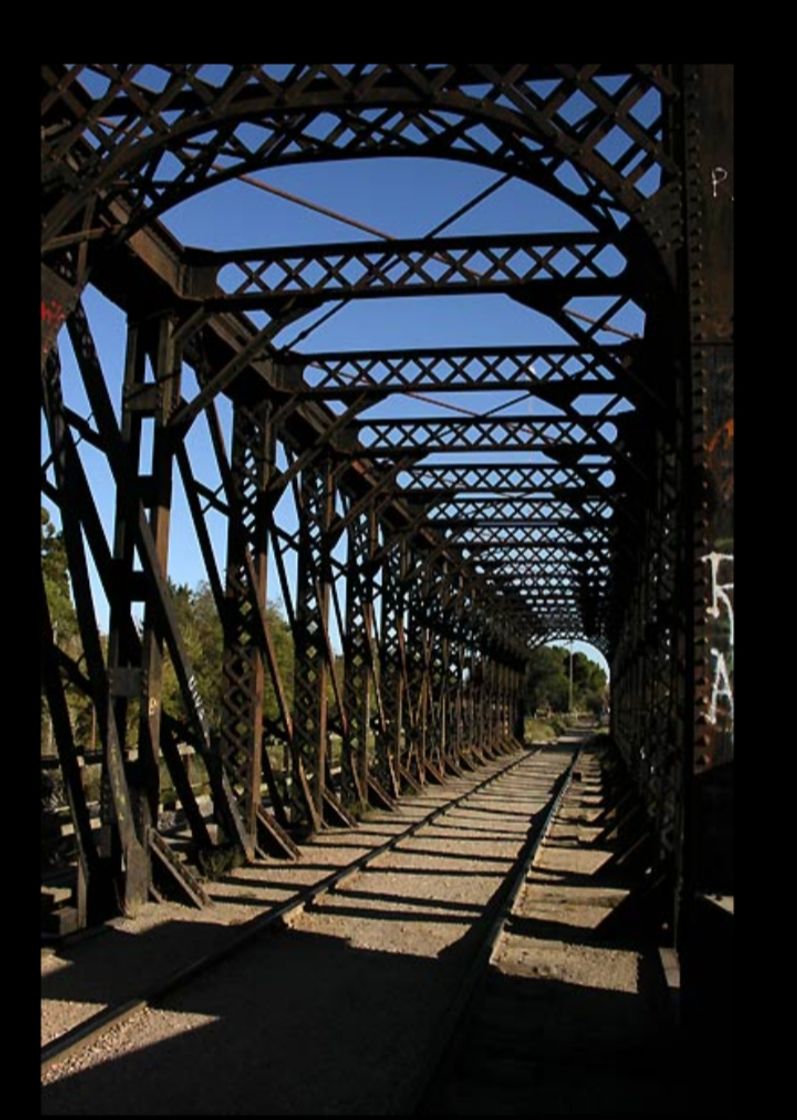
x: 283, y: 650
x: 202, y: 638
x: 55, y: 571
x: 56, y: 582
x: 202, y: 635
x: 548, y: 681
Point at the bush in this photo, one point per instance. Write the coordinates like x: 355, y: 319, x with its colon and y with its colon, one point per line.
x: 536, y: 729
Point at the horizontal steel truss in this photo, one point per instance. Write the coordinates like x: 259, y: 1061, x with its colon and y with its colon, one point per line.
x: 527, y: 510
x: 557, y: 374
x: 441, y: 481
x: 565, y: 265
x: 568, y: 440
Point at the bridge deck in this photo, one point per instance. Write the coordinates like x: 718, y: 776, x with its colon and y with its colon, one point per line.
x: 366, y: 970
x: 363, y: 976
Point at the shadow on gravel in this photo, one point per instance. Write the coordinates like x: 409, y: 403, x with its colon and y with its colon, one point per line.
x: 542, y: 1047
x: 108, y: 968
x: 317, y: 1028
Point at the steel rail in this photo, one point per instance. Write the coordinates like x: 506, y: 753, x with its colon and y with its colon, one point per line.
x: 83, y: 1034
x: 454, y: 1018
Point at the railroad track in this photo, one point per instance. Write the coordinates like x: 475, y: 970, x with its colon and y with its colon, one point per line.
x: 324, y: 893
x: 500, y: 908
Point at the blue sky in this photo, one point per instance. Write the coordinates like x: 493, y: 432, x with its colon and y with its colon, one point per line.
x: 403, y: 197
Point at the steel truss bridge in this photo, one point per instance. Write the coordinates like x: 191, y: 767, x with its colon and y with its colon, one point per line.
x: 444, y: 547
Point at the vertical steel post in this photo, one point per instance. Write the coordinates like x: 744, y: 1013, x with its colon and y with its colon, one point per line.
x: 705, y: 865
x: 358, y: 670
x: 166, y: 368
x: 390, y: 677
x: 457, y: 673
x: 252, y: 455
x: 415, y: 643
x: 311, y: 675
x: 124, y: 668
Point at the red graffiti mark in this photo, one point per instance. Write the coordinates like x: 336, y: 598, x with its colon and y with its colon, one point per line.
x: 52, y: 311
x: 720, y: 460
x: 725, y: 430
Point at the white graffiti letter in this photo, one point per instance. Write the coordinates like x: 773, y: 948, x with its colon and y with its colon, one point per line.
x: 718, y: 175
x: 720, y: 687
x: 719, y: 591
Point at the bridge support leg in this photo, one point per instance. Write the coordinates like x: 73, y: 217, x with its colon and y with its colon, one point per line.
x: 705, y: 866
x: 252, y: 455
x: 388, y: 740
x: 311, y: 676
x: 166, y: 366
x: 358, y: 654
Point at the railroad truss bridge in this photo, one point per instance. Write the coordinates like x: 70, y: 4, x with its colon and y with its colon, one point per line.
x: 435, y: 544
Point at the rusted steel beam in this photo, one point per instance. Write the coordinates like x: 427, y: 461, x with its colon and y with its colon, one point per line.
x: 166, y: 364
x: 242, y: 718
x: 567, y: 265
x: 553, y: 373
x: 706, y: 287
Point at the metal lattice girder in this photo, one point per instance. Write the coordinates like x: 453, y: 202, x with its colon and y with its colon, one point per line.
x: 482, y: 501
x: 554, y: 373
x: 525, y: 511
x: 391, y: 678
x: 567, y: 265
x: 579, y: 536
x: 498, y: 506
x: 166, y: 369
x: 563, y: 577
x: 489, y: 601
x: 312, y: 671
x: 242, y: 701
x: 359, y: 656
x: 421, y: 652
x: 441, y: 505
x: 452, y: 606
x: 549, y: 124
x: 561, y: 439
x: 417, y: 653
x: 438, y: 666
x: 459, y: 734
x: 542, y: 583
x: 434, y: 482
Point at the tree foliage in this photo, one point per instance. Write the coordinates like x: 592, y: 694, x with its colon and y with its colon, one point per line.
x: 548, y: 681
x: 65, y: 632
x: 56, y: 582
x: 201, y: 633
x: 203, y: 639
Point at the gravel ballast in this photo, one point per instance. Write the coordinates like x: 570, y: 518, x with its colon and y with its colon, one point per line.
x: 333, y: 1015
